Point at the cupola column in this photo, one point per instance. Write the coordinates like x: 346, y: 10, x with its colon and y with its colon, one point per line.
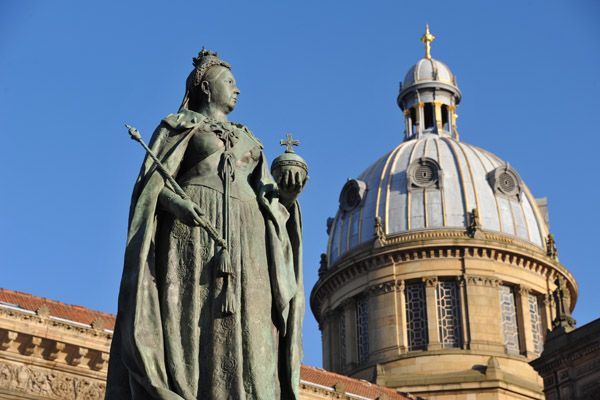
x: 449, y: 113
x: 420, y: 118
x: 432, y: 318
x: 438, y: 115
x: 408, y: 122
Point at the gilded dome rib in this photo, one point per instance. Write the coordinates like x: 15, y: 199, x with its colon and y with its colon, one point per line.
x: 425, y: 222
x: 369, y: 172
x: 461, y: 177
x: 526, y: 223
x: 383, y: 171
x: 439, y: 160
x: 477, y: 152
x: 408, y: 207
x: 471, y: 175
x: 387, y: 194
x: 541, y: 224
x: 331, y: 230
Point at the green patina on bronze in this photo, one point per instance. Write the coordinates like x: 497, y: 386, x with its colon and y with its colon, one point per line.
x: 201, y: 318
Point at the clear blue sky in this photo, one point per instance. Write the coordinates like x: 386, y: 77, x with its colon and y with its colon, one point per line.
x: 72, y: 73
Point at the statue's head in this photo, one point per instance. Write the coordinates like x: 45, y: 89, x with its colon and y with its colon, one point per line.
x: 211, y: 82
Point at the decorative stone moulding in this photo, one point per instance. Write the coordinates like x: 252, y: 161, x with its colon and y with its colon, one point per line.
x: 352, y: 195
x: 424, y: 173
x: 504, y: 180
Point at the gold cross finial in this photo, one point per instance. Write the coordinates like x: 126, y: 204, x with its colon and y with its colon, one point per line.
x: 427, y: 38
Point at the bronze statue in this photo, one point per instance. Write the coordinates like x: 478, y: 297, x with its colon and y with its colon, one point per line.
x: 205, y: 317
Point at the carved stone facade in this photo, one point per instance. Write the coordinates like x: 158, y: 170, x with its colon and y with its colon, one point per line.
x: 570, y: 363
x: 44, y: 355
x: 55, y: 351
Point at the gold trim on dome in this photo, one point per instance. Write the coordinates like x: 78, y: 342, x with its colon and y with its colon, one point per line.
x: 476, y: 151
x: 541, y: 224
x: 340, y: 238
x: 512, y: 213
x: 437, y: 145
x: 348, y: 233
x: 408, y: 197
x: 330, y: 235
x: 383, y: 171
x: 462, y: 178
x: 406, y: 112
x: 525, y: 218
x: 432, y: 79
x: 472, y: 178
x: 371, y: 171
x: 387, y: 193
x: 425, y: 190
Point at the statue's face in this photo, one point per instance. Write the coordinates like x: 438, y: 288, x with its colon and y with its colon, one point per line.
x: 223, y: 91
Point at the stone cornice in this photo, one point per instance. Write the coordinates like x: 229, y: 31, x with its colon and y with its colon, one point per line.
x: 60, y: 346
x: 428, y: 245
x: 15, y: 318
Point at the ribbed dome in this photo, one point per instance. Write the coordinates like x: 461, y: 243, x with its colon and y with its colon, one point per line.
x: 432, y: 183
x: 428, y: 69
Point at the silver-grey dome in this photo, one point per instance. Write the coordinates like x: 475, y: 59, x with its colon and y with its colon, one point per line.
x: 428, y: 69
x: 466, y: 181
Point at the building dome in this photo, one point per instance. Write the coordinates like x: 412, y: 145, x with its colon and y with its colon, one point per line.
x: 427, y: 70
x: 435, y: 183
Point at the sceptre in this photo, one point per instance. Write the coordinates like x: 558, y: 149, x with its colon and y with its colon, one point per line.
x: 203, y: 222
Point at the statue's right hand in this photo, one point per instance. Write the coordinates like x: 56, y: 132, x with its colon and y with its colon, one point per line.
x: 185, y: 210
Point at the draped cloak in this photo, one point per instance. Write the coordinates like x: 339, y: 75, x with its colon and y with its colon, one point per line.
x: 138, y: 361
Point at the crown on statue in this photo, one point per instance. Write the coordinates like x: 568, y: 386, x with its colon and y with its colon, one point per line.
x: 204, y: 61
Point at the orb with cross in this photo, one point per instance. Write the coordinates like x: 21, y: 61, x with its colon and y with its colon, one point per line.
x: 289, y: 163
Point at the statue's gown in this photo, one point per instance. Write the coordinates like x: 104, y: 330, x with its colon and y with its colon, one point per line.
x: 174, y: 341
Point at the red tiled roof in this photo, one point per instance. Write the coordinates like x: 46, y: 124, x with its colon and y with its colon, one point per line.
x: 351, y: 386
x: 57, y: 309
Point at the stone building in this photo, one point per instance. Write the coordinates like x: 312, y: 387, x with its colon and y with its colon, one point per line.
x: 570, y: 363
x: 52, y: 350
x: 439, y: 268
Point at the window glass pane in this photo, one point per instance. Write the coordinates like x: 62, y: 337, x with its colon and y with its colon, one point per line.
x: 449, y: 314
x: 362, y: 326
x: 416, y: 316
x: 536, y: 324
x: 510, y: 329
x: 342, y: 340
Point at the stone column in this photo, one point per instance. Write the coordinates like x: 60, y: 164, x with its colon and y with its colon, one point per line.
x: 408, y: 123
x: 450, y: 111
x: 464, y: 313
x: 401, y: 329
x: 432, y: 315
x: 420, y: 118
x: 438, y: 115
x: 349, y: 309
x: 324, y: 326
x: 383, y: 324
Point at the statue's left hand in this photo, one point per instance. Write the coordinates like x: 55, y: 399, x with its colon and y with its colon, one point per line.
x: 290, y: 185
